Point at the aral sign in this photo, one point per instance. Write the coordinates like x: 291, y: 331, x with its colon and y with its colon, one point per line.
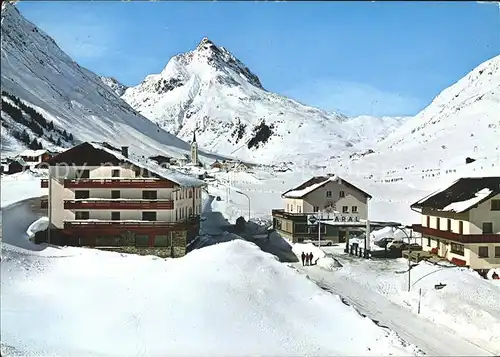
x: 332, y: 217
x: 341, y: 218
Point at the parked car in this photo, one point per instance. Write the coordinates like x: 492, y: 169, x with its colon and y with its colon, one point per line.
x: 382, y: 243
x: 404, y: 246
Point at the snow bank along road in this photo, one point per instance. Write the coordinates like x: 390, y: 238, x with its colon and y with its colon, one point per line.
x: 15, y: 220
x: 433, y: 340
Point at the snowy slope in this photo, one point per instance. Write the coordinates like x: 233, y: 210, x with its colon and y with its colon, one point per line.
x: 37, y: 71
x: 209, y: 89
x: 462, y: 121
x: 372, y: 128
x: 230, y: 299
x: 471, y: 102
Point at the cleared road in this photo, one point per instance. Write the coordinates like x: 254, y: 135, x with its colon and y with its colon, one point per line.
x: 432, y: 339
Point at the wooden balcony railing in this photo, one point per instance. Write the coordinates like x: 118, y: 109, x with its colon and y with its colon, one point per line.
x: 118, y: 183
x: 281, y: 212
x: 462, y: 238
x: 84, y: 227
x: 120, y: 224
x: 118, y: 204
x: 44, y: 183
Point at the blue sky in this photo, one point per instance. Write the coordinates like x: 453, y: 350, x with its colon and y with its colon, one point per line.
x: 382, y: 58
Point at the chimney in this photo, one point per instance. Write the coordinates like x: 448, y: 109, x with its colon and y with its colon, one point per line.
x: 125, y: 151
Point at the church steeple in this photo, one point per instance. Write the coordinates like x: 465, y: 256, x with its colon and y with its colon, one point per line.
x: 194, y: 150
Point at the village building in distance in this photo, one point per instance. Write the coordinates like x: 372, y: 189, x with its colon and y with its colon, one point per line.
x: 342, y: 206
x: 104, y: 198
x: 230, y: 165
x: 462, y: 222
x: 11, y: 166
x: 33, y: 157
x: 25, y: 160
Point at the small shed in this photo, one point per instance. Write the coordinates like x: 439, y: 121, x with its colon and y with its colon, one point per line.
x: 13, y: 166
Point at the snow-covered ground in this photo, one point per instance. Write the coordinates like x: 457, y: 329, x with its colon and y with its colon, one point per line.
x: 467, y: 305
x: 19, y: 187
x: 229, y: 299
x: 261, y: 297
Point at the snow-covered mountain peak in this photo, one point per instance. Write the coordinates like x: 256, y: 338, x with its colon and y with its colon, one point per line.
x: 208, y: 62
x: 210, y: 89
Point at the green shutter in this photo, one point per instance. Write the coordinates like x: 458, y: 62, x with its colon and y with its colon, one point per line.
x: 141, y: 241
x: 162, y: 241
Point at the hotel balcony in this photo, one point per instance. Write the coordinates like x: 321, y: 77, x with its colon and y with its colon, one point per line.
x: 92, y: 227
x: 456, y: 237
x: 118, y: 183
x: 119, y: 204
x: 97, y: 224
x: 281, y: 213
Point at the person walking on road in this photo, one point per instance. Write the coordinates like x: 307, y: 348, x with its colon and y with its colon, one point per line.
x: 307, y: 259
x: 303, y: 256
x: 311, y: 258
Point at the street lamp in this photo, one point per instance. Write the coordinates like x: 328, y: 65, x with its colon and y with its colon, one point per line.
x: 244, y: 194
x: 227, y: 189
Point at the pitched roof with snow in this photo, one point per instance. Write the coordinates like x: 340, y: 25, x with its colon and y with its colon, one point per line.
x: 97, y: 154
x: 33, y: 153
x: 462, y: 195
x: 315, y: 183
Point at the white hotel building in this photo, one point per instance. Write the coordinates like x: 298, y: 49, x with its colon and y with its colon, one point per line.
x: 100, y: 196
x: 462, y: 222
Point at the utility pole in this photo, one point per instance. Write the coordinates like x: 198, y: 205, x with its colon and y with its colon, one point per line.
x: 409, y: 269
